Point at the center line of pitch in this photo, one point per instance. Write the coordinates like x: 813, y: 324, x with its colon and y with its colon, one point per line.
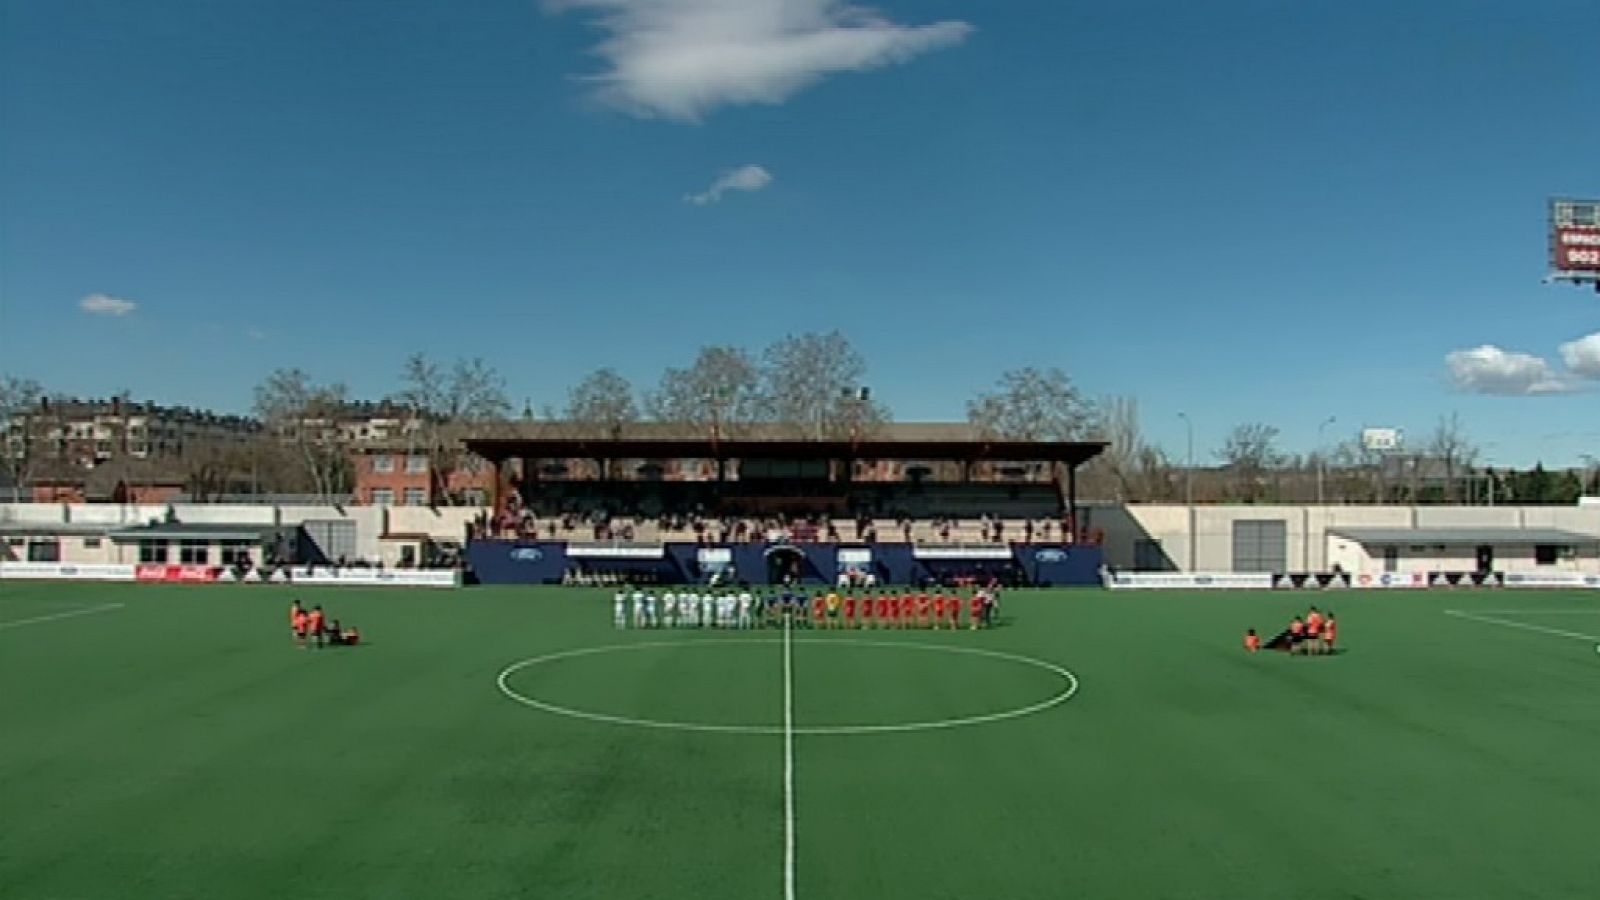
x: 788, y: 763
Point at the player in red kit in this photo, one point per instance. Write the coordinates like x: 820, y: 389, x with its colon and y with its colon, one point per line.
x: 885, y: 610
x: 850, y: 611
x: 938, y: 610
x: 976, y: 610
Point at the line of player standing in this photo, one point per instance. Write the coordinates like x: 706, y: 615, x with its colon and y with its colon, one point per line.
x: 698, y: 608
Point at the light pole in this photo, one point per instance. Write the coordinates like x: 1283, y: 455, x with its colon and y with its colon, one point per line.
x: 1322, y: 462
x: 1188, y: 468
x: 1188, y: 483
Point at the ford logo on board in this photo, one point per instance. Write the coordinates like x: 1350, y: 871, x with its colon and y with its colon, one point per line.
x: 527, y: 554
x: 1050, y: 555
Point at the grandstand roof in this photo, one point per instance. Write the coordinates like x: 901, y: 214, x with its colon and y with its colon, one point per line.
x: 912, y: 440
x: 177, y: 531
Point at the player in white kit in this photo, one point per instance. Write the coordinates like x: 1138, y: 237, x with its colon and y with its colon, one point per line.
x: 619, y: 609
x: 745, y: 601
x: 669, y: 603
x: 641, y: 616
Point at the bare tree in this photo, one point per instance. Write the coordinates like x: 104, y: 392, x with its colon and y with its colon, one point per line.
x: 1250, y: 452
x: 603, y: 401
x: 1030, y: 404
x: 1132, y: 470
x: 19, y: 403
x: 721, y: 391
x: 212, y: 467
x: 1454, y: 450
x: 447, y: 406
x: 813, y: 384
x: 306, y: 415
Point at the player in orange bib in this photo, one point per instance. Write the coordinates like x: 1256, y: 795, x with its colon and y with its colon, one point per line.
x: 1330, y: 631
x: 1297, y: 636
x: 296, y: 612
x: 315, y: 625
x: 302, y: 623
x: 1252, y: 641
x: 1314, y: 631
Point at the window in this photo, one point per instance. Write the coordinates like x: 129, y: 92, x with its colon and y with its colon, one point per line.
x: 416, y: 464
x: 48, y: 551
x: 1550, y: 554
x: 1260, y: 545
x: 152, y: 551
x: 235, y: 552
x: 383, y: 463
x: 194, y: 553
x: 91, y: 543
x: 382, y: 497
x: 416, y: 497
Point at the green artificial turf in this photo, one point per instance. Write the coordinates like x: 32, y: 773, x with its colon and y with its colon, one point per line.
x: 180, y: 746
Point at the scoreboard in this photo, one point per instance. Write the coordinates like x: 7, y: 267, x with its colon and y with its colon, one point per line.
x: 1575, y: 239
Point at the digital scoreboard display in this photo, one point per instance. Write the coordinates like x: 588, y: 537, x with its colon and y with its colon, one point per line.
x: 1575, y: 236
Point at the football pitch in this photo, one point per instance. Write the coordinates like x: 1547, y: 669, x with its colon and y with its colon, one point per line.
x: 172, y: 742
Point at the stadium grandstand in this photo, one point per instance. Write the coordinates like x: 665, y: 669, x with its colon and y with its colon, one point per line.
x: 931, y: 501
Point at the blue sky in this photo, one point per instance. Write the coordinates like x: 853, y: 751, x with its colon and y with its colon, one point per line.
x: 1249, y: 211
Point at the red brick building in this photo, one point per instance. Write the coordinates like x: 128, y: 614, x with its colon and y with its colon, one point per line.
x: 400, y: 475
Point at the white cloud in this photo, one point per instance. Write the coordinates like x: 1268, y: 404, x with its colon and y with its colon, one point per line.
x: 744, y: 178
x: 681, y: 59
x: 1491, y: 370
x: 1582, y: 356
x: 106, y: 305
x: 1506, y: 373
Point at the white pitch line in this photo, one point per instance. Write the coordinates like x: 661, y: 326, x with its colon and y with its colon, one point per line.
x: 1539, y: 612
x: 104, y: 607
x: 788, y: 763
x: 1507, y: 623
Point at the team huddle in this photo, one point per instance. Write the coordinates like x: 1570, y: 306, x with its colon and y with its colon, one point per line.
x: 1314, y: 635
x: 693, y: 608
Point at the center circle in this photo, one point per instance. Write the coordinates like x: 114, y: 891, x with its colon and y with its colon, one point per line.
x: 1067, y: 688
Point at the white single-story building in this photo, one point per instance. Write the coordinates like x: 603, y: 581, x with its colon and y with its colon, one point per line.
x: 1377, y: 551
x: 175, y: 543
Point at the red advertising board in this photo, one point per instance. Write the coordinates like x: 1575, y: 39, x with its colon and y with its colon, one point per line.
x: 170, y: 574
x: 1577, y: 249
